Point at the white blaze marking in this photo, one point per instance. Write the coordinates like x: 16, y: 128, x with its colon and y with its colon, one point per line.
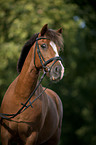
x: 53, y: 45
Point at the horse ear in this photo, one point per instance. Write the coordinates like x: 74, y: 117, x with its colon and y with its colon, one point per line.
x: 60, y: 30
x: 43, y: 30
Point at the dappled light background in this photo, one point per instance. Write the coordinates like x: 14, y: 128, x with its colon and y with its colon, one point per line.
x: 19, y: 19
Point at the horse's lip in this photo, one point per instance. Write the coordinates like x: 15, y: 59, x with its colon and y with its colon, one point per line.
x: 54, y: 80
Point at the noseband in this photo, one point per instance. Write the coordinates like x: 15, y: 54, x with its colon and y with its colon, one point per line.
x: 44, y: 66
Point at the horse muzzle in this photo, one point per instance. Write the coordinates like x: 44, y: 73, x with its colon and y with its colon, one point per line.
x: 57, y: 72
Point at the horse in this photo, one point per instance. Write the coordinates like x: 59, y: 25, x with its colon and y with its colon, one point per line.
x: 38, y: 123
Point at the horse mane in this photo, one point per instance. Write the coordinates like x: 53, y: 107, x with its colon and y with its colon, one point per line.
x: 24, y: 52
x: 50, y: 34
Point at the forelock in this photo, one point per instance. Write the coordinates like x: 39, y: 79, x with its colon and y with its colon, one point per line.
x: 55, y: 37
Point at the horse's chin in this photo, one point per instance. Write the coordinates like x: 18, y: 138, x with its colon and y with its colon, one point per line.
x: 54, y: 79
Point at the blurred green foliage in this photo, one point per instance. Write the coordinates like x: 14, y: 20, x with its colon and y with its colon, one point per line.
x: 19, y: 19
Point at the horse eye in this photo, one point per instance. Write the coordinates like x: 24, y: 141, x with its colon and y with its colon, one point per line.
x: 44, y: 46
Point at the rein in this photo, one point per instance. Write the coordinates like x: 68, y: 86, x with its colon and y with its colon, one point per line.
x: 44, y: 66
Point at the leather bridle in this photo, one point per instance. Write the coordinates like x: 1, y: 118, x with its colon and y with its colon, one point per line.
x: 44, y: 66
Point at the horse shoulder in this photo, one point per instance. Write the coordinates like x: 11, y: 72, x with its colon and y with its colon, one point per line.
x: 56, y: 99
x: 53, y: 118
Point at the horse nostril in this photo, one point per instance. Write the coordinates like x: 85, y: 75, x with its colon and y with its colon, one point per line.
x: 57, y: 69
x: 55, y: 73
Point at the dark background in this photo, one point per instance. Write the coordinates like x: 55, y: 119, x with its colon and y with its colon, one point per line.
x: 19, y: 19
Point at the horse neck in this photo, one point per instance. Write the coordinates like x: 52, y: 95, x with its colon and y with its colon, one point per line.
x: 28, y: 77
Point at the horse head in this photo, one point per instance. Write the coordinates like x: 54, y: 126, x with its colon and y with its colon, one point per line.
x: 46, y: 53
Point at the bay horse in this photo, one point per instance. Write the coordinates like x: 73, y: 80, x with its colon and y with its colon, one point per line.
x: 38, y: 123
